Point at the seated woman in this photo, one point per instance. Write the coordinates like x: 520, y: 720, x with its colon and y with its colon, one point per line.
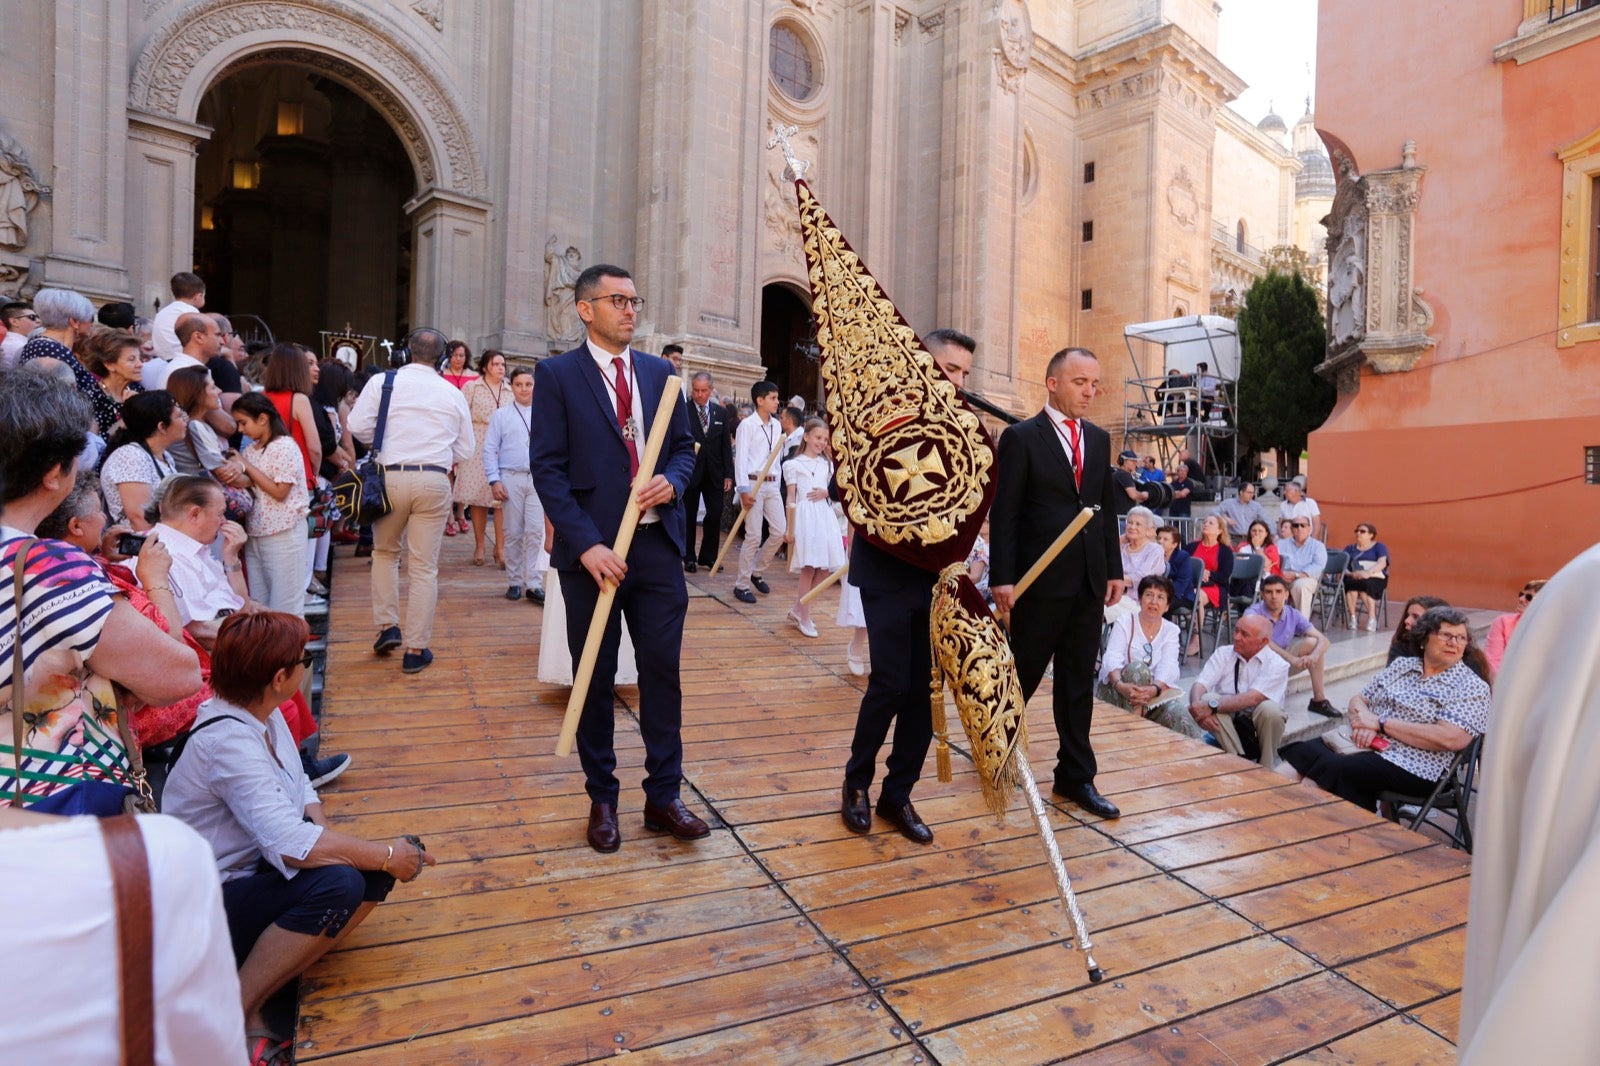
x: 1141, y: 556
x: 1258, y: 540
x: 1178, y: 571
x: 1366, y: 575
x: 1503, y: 626
x: 136, y: 455
x: 1215, y: 554
x: 291, y: 886
x: 112, y: 356
x: 1139, y: 671
x: 1424, y: 709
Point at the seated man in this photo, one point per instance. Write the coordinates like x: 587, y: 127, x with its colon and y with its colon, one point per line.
x: 1295, y: 640
x: 1239, y: 512
x: 1302, y: 560
x: 191, y: 509
x: 1238, y: 696
x: 1296, y: 504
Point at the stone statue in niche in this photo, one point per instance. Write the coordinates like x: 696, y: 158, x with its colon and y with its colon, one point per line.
x: 20, y: 189
x: 1347, y: 289
x: 561, y: 269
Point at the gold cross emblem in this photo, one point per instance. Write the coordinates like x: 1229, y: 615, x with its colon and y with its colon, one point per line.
x: 913, y: 469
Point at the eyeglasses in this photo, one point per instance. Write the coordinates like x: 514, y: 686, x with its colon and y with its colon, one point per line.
x: 27, y: 314
x: 620, y: 301
x: 1363, y: 529
x: 305, y: 660
x: 1300, y: 525
x: 1452, y: 638
x: 1525, y: 596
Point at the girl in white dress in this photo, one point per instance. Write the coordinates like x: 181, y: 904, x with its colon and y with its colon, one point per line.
x: 815, y: 547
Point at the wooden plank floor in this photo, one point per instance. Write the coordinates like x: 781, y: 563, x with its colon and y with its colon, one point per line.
x: 1240, y: 918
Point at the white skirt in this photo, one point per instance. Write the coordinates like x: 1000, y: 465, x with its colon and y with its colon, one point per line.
x: 555, y: 662
x: 850, y: 612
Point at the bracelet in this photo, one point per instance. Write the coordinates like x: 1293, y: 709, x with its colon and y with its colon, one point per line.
x: 157, y: 588
x: 385, y: 867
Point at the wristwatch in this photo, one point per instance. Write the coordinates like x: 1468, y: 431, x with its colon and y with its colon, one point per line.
x: 1213, y: 701
x: 1383, y: 727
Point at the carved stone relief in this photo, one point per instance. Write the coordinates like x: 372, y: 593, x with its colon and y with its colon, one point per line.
x: 562, y: 326
x: 1181, y: 198
x: 20, y: 189
x: 780, y: 212
x: 1376, y: 313
x: 1011, y: 59
x: 931, y: 24
x: 432, y: 10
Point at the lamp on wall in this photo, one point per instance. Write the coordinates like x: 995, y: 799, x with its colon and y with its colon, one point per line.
x: 208, y: 217
x: 291, y: 118
x: 246, y: 174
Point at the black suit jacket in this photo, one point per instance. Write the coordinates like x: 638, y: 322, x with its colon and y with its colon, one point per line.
x: 715, y: 459
x: 1035, y: 499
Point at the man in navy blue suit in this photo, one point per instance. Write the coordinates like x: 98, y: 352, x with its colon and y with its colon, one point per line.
x: 592, y: 409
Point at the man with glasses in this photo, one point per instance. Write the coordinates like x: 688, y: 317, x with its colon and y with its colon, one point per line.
x: 1296, y: 504
x: 1241, y: 511
x: 1295, y: 640
x: 1238, y: 697
x: 1303, y: 560
x: 225, y: 365
x: 593, y: 410
x: 20, y: 320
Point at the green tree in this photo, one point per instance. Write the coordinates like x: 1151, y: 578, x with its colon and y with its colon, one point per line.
x: 1282, y: 398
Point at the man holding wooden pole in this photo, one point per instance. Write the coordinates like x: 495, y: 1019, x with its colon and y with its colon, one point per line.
x: 593, y: 408
x: 1052, y: 466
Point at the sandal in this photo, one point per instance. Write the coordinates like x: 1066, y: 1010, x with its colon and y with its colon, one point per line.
x: 266, y: 1049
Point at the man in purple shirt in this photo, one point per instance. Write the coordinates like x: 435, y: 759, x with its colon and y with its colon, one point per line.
x: 1299, y: 643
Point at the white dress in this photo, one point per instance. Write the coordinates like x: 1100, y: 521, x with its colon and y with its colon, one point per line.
x: 816, y: 530
x: 555, y: 661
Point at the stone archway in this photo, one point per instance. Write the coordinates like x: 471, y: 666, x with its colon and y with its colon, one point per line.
x: 208, y: 41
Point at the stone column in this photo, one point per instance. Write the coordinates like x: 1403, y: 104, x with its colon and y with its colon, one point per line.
x: 90, y: 150
x: 449, y: 242
x: 524, y: 204
x: 160, y: 179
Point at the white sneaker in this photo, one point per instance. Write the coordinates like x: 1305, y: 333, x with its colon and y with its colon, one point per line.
x: 1372, y: 625
x: 1350, y: 624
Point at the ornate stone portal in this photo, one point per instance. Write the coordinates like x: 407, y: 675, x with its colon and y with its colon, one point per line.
x: 1376, y: 314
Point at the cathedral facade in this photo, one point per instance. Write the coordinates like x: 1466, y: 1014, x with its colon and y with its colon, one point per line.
x: 1035, y: 174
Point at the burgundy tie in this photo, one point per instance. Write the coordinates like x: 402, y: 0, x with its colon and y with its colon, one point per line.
x: 625, y: 416
x: 1075, y: 439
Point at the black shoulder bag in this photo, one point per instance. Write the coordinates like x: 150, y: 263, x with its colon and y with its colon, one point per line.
x: 360, y: 492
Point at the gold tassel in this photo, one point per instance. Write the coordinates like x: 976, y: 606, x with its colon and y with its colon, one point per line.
x: 941, y: 730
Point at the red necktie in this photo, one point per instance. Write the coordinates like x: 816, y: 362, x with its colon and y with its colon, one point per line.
x: 1075, y: 439
x: 625, y: 416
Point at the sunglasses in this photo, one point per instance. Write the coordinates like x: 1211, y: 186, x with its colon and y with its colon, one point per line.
x: 1525, y: 596
x: 305, y: 660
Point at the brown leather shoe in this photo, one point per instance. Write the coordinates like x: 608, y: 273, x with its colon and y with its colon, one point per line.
x: 603, y: 833
x: 904, y: 817
x: 856, y: 810
x: 674, y: 818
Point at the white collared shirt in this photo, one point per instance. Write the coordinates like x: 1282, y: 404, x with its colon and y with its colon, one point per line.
x: 197, y: 580
x: 429, y: 421
x: 606, y: 361
x: 752, y: 443
x: 1267, y: 674
x: 154, y: 374
x: 163, y: 331
x: 1058, y: 420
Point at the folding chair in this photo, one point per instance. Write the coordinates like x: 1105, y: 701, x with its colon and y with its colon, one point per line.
x: 1452, y: 794
x: 1330, y: 589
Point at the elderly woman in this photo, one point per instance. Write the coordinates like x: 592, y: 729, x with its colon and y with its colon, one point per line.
x: 1139, y: 671
x: 112, y: 356
x: 1366, y: 575
x: 136, y: 455
x: 1409, y: 720
x: 1141, y: 556
x: 291, y: 886
x: 1504, y: 625
x: 67, y: 320
x: 76, y: 632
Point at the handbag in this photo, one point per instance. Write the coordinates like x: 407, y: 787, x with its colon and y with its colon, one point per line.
x: 131, y: 897
x: 360, y: 492
x: 237, y: 503
x: 95, y: 771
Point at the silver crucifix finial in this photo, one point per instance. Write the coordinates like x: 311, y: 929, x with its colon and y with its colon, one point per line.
x: 780, y: 139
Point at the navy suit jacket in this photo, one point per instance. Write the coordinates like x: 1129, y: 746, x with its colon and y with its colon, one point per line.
x: 715, y: 459
x: 1035, y: 498
x: 578, y: 457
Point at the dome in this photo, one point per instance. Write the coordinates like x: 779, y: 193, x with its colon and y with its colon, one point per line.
x: 1272, y: 124
x: 1315, y: 179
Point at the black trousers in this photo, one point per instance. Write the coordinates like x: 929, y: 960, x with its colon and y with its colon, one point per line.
x: 897, y: 692
x: 1358, y: 777
x: 1066, y: 629
x: 710, y: 490
x: 654, y: 599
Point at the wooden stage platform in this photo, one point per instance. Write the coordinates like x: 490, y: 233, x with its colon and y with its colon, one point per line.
x: 1239, y: 918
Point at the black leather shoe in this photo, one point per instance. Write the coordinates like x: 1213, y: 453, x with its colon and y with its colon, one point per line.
x: 388, y: 640
x: 1089, y: 798
x: 760, y: 584
x: 856, y: 810
x: 536, y: 596
x: 1324, y: 708
x: 904, y: 817
x: 689, y: 566
x: 603, y: 834
x: 744, y: 595
x: 514, y: 592
x: 674, y: 818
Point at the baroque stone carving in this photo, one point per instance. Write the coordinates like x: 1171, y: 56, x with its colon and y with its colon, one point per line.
x: 432, y: 10
x: 902, y: 19
x: 780, y: 210
x: 1016, y: 43
x: 1182, y: 200
x: 174, y: 51
x: 20, y: 189
x: 1376, y: 313
x: 931, y: 24
x: 561, y: 269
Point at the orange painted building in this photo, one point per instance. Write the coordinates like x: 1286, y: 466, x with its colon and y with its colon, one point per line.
x: 1464, y: 308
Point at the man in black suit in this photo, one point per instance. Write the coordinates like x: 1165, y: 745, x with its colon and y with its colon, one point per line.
x: 896, y: 598
x: 713, y: 472
x: 593, y: 408
x: 1052, y: 466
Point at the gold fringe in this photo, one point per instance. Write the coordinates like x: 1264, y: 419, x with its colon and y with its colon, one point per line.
x: 941, y: 728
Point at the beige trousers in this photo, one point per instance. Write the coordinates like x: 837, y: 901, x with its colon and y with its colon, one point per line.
x: 419, y: 506
x: 1269, y: 719
x: 1301, y: 592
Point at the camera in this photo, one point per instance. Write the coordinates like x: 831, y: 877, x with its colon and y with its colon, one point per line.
x: 130, y: 543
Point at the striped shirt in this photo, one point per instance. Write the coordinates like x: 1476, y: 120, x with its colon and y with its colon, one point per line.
x: 66, y: 600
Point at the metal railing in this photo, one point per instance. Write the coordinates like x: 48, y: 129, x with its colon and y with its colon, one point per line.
x: 1560, y: 9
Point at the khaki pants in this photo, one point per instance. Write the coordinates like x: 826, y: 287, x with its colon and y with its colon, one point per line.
x: 419, y: 505
x: 1269, y: 719
x: 1301, y: 592
x: 767, y: 506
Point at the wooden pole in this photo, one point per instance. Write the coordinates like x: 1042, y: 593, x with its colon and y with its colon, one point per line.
x: 743, y: 511
x: 584, y: 674
x: 824, y: 583
x: 1050, y: 553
